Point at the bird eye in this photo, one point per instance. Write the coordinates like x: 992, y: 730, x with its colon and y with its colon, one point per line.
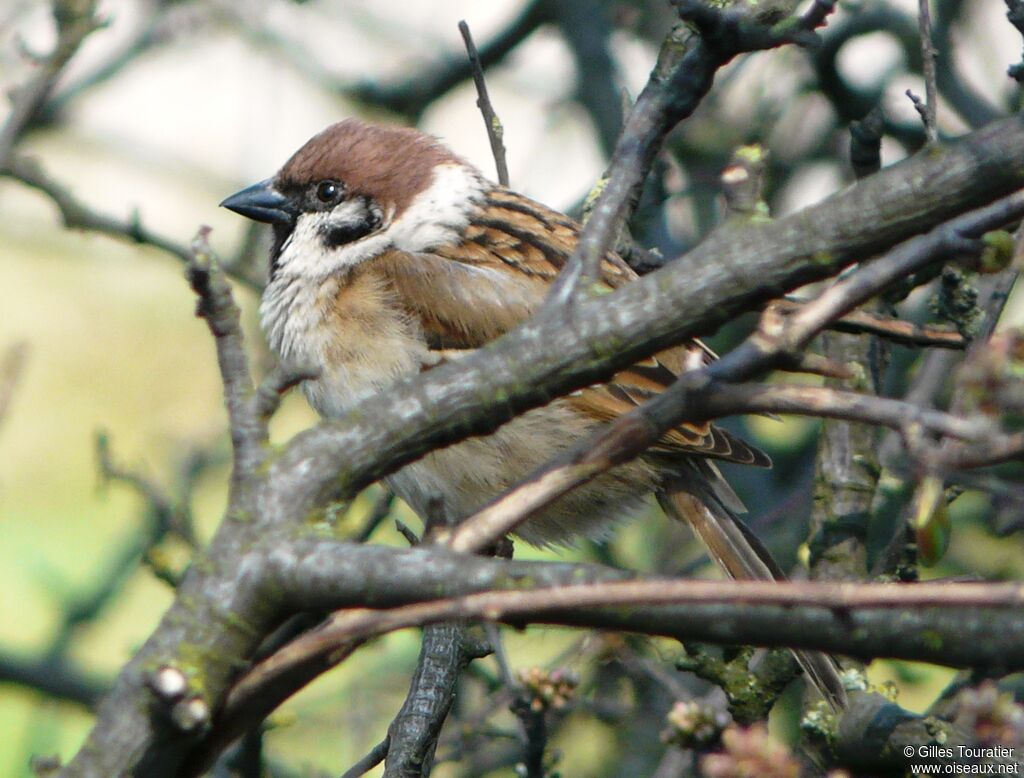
x: 328, y: 191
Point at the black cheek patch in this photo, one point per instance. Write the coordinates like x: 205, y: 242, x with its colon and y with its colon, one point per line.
x: 340, y: 234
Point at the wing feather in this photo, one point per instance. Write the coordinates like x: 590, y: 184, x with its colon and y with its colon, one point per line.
x: 464, y: 296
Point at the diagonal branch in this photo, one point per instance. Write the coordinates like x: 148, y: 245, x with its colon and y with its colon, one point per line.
x: 75, y: 22
x: 80, y: 216
x: 495, y: 132
x: 683, y: 75
x: 697, y: 392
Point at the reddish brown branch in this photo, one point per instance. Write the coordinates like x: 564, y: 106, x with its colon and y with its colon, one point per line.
x: 905, y: 333
x: 346, y: 629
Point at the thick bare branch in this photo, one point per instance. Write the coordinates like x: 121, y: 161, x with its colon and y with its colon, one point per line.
x: 682, y: 77
x: 817, y: 615
x: 696, y: 393
x: 570, y: 601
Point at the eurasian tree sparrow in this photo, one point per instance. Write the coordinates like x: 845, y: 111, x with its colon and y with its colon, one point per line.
x: 391, y: 255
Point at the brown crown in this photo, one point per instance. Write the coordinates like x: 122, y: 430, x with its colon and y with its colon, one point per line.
x: 390, y: 164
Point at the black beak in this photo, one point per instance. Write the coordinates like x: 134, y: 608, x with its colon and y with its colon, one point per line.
x: 261, y: 202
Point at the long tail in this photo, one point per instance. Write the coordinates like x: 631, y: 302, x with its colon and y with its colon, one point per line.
x: 703, y: 500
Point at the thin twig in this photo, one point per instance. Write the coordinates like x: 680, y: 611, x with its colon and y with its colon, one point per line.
x: 531, y: 721
x: 74, y: 25
x: 11, y: 371
x: 924, y: 20
x: 217, y: 306
x: 921, y: 106
x: 373, y: 758
x: 406, y: 532
x: 277, y: 383
x: 495, y: 131
x: 905, y: 333
x: 380, y: 511
x: 78, y: 216
x: 152, y: 33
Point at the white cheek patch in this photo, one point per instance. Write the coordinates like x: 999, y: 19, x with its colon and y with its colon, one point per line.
x: 439, y: 214
x: 307, y: 253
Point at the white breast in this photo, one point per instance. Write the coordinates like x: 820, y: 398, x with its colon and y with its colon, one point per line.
x: 348, y: 329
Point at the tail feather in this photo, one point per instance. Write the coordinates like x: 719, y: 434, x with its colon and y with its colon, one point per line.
x: 692, y: 498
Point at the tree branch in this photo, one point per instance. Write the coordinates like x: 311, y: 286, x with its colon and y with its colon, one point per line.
x: 248, y: 410
x: 59, y: 679
x: 412, y: 737
x: 904, y: 333
x: 683, y: 75
x: 928, y: 114
x: 807, y: 606
x: 696, y: 393
x: 495, y: 132
x: 75, y: 20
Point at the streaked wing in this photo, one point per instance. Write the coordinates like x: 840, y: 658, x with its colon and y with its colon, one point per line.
x: 516, y: 232
x: 465, y: 296
x: 641, y: 382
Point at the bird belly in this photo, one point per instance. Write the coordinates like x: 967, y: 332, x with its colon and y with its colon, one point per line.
x: 460, y: 479
x: 360, y: 342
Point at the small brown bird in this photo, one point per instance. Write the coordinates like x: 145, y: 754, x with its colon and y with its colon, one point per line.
x: 392, y: 255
